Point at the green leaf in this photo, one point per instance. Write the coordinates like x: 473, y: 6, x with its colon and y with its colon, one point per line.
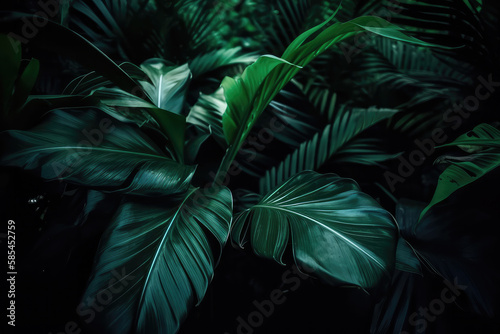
x: 335, y: 138
x: 168, y: 86
x: 211, y: 61
x: 25, y: 84
x: 335, y: 230
x: 165, y: 254
x: 248, y: 95
x: 406, y: 259
x: 464, y: 171
x: 172, y: 125
x: 207, y: 113
x: 86, y: 148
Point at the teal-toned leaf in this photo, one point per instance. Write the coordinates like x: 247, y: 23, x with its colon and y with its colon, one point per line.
x: 128, y: 107
x: 464, y: 171
x: 336, y: 231
x: 406, y: 259
x: 86, y: 148
x: 164, y: 258
x: 207, y: 113
x: 168, y: 86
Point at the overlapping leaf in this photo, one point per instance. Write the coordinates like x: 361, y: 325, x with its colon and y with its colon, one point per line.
x: 461, y: 172
x: 164, y: 258
x: 88, y: 149
x: 335, y: 230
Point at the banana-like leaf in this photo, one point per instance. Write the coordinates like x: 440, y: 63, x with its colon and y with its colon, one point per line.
x: 334, y: 138
x: 336, y: 231
x: 462, y: 172
x: 164, y: 258
x: 88, y: 149
x: 248, y: 95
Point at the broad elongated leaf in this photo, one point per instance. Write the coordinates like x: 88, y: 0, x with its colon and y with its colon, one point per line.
x: 335, y: 137
x: 248, y: 95
x: 464, y: 171
x: 88, y: 149
x: 164, y: 257
x: 336, y: 231
x: 128, y: 107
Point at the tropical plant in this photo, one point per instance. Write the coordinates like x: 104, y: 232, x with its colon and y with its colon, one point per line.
x: 182, y: 125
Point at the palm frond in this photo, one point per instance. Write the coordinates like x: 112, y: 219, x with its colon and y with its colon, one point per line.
x: 324, y: 145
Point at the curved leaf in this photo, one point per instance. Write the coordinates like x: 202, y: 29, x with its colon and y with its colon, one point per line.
x: 168, y: 84
x: 462, y: 172
x: 87, y: 149
x: 248, y: 95
x: 166, y: 261
x: 340, y: 233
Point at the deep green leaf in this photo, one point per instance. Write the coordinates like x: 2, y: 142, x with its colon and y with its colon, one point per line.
x: 88, y: 149
x: 336, y: 231
x: 168, y: 86
x: 464, y: 171
x: 165, y: 253
x: 25, y: 84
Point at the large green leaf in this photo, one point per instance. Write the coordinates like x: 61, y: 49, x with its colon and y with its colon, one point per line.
x: 88, y: 149
x: 165, y: 253
x: 462, y: 171
x: 337, y: 231
x: 248, y: 95
x: 335, y: 138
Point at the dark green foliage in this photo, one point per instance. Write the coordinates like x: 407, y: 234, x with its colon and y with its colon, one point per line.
x: 145, y: 124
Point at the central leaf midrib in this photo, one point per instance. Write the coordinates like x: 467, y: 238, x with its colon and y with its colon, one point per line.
x: 159, y: 249
x: 328, y: 228
x: 97, y: 149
